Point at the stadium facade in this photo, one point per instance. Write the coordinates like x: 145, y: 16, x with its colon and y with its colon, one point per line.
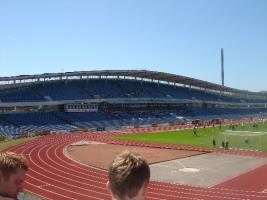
x: 113, y: 99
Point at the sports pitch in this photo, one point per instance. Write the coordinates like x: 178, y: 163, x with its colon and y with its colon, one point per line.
x: 10, y: 143
x: 244, y: 137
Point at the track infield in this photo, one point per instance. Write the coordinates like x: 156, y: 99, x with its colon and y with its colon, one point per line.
x: 100, y: 155
x: 193, y: 168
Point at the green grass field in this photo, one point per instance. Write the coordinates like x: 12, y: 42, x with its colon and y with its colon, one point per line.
x: 10, y: 143
x: 256, y: 137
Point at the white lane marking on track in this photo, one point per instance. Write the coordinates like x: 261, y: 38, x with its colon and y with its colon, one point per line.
x: 46, y: 176
x: 30, y: 147
x: 44, y: 185
x: 65, y: 172
x: 68, y: 172
x: 49, y: 191
x: 76, y: 165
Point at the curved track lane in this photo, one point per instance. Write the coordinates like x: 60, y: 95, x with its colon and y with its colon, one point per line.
x: 55, y: 176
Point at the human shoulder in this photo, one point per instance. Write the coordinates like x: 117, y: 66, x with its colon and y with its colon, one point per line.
x: 6, y: 198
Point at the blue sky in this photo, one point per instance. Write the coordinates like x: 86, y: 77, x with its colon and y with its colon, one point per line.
x: 182, y: 37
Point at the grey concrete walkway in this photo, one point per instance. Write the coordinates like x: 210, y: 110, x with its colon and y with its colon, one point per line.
x: 204, y: 170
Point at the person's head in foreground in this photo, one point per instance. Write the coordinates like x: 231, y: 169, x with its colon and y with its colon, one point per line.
x: 128, y: 176
x: 13, y: 168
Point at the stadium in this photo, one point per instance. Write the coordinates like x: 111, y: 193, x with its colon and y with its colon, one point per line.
x: 202, y: 140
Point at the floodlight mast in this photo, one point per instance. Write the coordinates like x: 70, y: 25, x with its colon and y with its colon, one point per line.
x: 222, y: 67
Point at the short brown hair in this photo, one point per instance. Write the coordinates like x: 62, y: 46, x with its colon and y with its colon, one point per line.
x: 128, y: 172
x: 10, y: 162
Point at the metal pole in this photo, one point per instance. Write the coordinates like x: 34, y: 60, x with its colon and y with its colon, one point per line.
x: 222, y: 66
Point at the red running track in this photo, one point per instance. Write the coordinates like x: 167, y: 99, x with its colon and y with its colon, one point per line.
x: 253, y: 180
x: 54, y: 176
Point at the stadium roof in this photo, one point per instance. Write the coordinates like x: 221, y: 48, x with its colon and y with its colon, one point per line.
x: 144, y: 74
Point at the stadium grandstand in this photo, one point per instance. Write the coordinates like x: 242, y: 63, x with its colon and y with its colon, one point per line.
x: 113, y: 99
